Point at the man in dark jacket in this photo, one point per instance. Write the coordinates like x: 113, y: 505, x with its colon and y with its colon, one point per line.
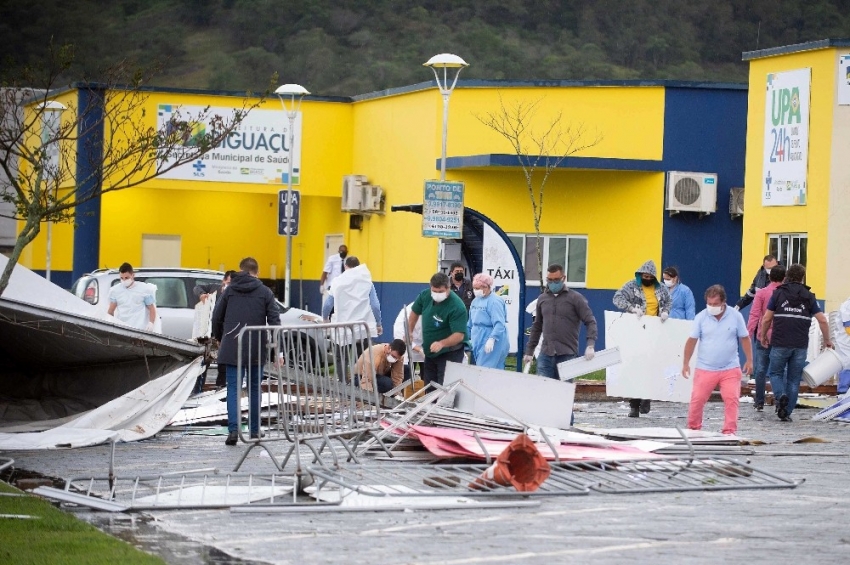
x: 761, y: 280
x: 790, y: 311
x: 560, y: 311
x: 461, y: 285
x: 245, y: 302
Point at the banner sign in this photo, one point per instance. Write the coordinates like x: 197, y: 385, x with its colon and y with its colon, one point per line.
x: 257, y: 151
x: 786, y: 138
x: 288, y: 213
x: 499, y: 263
x: 442, y: 210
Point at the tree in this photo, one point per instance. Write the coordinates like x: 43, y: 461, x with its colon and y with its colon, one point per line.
x: 538, y: 152
x: 39, y: 158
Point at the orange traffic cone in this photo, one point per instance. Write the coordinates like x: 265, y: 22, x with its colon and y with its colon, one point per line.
x: 520, y: 464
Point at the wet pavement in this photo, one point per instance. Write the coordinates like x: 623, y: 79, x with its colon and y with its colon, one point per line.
x: 805, y: 524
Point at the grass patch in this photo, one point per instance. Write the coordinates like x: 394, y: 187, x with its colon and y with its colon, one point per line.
x: 57, y: 538
x: 594, y: 376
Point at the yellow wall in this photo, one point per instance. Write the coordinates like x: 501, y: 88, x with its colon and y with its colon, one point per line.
x: 759, y: 221
x: 838, y: 236
x: 62, y: 239
x: 630, y: 120
x: 395, y: 144
x: 165, y: 206
x: 397, y: 141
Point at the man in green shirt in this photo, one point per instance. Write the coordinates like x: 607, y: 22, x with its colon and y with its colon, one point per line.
x: 444, y: 319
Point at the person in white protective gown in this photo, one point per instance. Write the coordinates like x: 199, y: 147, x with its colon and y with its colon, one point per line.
x: 487, y: 324
x: 415, y: 354
x: 133, y: 302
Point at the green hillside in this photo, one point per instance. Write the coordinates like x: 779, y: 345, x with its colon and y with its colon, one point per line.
x: 345, y: 47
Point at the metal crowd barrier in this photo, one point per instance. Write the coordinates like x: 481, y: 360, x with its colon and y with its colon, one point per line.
x: 307, y: 374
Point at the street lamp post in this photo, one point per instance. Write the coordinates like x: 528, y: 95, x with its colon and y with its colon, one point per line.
x: 294, y: 93
x: 51, y: 113
x: 445, y: 61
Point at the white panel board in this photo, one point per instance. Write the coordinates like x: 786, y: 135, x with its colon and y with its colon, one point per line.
x: 652, y: 353
x: 529, y: 398
x: 580, y: 366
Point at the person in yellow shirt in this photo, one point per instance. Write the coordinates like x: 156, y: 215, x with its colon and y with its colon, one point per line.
x: 644, y: 295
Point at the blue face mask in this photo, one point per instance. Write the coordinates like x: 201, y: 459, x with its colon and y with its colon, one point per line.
x: 555, y: 287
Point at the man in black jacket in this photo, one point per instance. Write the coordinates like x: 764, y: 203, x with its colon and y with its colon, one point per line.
x: 245, y: 302
x: 790, y: 311
x: 761, y: 280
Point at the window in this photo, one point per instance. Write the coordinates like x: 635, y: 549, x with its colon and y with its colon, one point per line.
x: 170, y: 292
x: 789, y: 248
x: 567, y: 250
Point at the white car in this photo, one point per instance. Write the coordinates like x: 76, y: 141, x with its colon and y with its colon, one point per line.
x: 175, y: 300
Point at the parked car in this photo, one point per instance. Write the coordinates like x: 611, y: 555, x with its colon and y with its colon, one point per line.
x: 175, y: 303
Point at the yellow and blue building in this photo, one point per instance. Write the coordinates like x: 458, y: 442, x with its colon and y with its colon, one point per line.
x: 797, y: 196
x: 604, y: 211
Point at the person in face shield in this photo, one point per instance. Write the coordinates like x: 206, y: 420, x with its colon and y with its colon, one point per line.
x: 444, y: 321
x: 460, y: 285
x: 644, y: 295
x: 132, y: 302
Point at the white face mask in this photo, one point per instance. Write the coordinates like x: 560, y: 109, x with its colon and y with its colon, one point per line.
x: 391, y: 359
x: 438, y: 296
x: 714, y: 310
x: 669, y: 283
x: 127, y: 283
x: 478, y: 292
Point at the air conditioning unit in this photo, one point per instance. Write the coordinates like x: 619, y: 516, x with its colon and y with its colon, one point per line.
x: 736, y: 202
x: 691, y: 192
x: 352, y: 192
x: 373, y: 198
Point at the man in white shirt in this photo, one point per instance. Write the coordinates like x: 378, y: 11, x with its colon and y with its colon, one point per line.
x: 333, y: 268
x: 132, y: 302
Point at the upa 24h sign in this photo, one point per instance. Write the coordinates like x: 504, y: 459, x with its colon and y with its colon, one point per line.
x: 786, y: 138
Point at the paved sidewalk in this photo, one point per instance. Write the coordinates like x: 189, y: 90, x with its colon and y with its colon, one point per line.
x: 801, y: 525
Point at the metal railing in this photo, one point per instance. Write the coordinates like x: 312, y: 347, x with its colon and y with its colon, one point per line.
x: 311, y: 376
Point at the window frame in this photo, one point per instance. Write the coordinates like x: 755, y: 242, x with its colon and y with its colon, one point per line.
x: 782, y: 254
x: 547, y: 237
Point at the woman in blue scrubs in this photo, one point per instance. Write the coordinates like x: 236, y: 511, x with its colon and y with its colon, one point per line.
x: 487, y: 330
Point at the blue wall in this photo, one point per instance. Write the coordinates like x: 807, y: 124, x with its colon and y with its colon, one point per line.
x: 705, y: 131
x: 90, y: 154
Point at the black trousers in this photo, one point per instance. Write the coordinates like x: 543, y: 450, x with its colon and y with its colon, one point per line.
x: 434, y: 368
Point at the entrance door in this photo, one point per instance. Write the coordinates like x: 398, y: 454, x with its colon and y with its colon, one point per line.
x: 161, y: 250
x: 332, y: 243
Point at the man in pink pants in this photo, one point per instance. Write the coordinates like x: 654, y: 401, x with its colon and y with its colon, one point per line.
x: 718, y: 329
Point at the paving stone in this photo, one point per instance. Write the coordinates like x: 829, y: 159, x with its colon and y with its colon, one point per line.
x: 801, y: 525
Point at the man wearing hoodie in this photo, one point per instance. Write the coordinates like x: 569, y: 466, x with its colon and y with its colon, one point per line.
x: 245, y: 302
x: 789, y: 312
x: 644, y: 295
